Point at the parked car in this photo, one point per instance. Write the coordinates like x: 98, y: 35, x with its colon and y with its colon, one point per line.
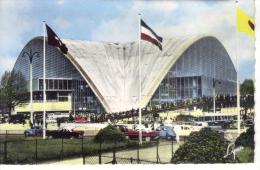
x: 123, y: 128
x: 64, y: 133
x: 166, y: 132
x: 17, y: 119
x: 35, y: 131
x: 80, y: 120
x: 134, y: 134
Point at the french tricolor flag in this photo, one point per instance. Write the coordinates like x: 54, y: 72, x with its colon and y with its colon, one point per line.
x: 148, y: 34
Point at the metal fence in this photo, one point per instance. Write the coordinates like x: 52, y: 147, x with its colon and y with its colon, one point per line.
x: 154, y: 152
x: 37, y: 150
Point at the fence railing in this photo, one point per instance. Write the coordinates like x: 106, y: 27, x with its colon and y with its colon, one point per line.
x: 37, y: 150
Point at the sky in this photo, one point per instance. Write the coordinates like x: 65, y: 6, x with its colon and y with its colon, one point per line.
x: 117, y: 21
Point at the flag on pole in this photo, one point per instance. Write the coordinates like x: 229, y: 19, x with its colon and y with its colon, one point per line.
x: 148, y: 34
x: 245, y: 23
x: 54, y: 40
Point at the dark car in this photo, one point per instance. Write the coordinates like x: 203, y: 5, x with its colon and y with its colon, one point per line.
x: 64, y: 134
x: 17, y: 119
x: 35, y: 131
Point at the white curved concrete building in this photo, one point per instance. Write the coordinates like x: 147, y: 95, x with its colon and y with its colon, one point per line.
x: 102, y: 76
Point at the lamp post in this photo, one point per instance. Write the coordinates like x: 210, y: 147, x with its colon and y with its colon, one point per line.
x: 73, y: 94
x: 214, y: 91
x: 30, y: 55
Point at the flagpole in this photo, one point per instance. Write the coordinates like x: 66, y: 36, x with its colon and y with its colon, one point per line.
x: 140, y: 83
x: 238, y: 91
x: 31, y: 92
x: 44, y: 83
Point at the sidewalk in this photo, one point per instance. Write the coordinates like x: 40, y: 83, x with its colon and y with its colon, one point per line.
x: 124, y: 156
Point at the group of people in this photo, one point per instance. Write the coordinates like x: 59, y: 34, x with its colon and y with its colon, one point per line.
x: 205, y: 103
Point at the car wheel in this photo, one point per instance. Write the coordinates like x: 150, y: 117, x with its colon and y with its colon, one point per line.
x: 26, y: 134
x: 50, y: 137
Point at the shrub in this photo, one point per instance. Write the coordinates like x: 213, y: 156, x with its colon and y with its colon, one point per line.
x: 109, y: 134
x: 246, y: 139
x: 205, y: 146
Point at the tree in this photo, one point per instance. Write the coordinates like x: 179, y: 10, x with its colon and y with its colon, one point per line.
x: 3, y: 107
x: 246, y: 139
x: 12, y: 90
x: 247, y: 90
x: 205, y: 146
x: 247, y: 87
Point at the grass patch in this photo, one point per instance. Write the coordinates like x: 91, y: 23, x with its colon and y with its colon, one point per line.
x: 25, y: 151
x: 246, y: 155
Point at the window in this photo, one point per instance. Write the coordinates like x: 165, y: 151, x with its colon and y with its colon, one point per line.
x: 55, y: 84
x: 199, y: 93
x: 186, y: 82
x: 47, y: 84
x: 50, y: 84
x: 182, y: 82
x: 60, y: 84
x: 65, y: 85
x: 182, y: 87
x: 69, y: 84
x: 40, y: 84
x: 199, y: 82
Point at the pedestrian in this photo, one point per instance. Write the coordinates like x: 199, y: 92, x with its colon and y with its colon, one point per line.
x: 31, y: 125
x: 58, y: 122
x: 23, y: 121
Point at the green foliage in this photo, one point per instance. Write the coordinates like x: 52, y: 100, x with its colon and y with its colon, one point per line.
x: 247, y: 87
x: 246, y: 155
x: 205, y: 146
x: 246, y: 139
x: 247, y: 90
x: 109, y: 134
x: 184, y: 118
x: 12, y: 90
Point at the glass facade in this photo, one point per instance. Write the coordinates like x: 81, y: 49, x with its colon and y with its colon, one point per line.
x: 63, y: 81
x: 192, y: 75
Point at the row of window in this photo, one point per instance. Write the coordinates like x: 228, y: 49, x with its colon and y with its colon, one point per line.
x: 54, y: 84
